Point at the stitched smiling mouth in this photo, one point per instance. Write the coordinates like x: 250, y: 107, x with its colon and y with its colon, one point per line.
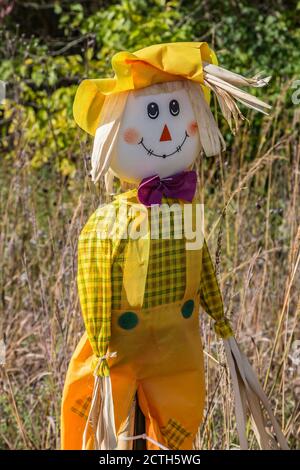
x: 164, y: 155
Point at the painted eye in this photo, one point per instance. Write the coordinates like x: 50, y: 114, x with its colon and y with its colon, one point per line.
x: 153, y: 110
x: 174, y: 107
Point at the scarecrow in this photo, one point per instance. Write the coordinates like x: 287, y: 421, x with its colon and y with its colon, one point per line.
x: 143, y: 272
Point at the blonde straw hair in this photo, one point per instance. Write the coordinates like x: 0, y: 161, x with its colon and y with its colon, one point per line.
x: 106, y: 134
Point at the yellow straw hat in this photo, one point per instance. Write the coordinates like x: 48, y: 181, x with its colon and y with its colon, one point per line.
x: 155, y: 64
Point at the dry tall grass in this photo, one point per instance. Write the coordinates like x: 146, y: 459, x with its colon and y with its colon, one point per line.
x: 253, y: 225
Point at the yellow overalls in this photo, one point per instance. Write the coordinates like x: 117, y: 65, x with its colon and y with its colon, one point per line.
x: 159, y: 356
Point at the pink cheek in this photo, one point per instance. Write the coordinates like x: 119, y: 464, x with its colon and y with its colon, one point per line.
x: 132, y: 136
x: 192, y: 128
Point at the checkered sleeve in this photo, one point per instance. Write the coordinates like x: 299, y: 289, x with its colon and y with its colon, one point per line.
x: 94, y: 288
x: 210, y: 296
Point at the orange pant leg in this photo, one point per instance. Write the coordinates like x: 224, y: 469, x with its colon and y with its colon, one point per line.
x: 173, y: 406
x: 77, y: 396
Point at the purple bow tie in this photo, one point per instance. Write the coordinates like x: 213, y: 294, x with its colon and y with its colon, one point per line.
x: 179, y: 186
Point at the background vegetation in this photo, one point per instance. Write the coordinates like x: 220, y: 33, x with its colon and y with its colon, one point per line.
x: 251, y: 193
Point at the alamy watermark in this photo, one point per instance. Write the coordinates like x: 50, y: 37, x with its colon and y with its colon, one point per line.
x: 296, y: 94
x: 2, y: 352
x: 134, y: 221
x: 2, y: 91
x: 295, y: 354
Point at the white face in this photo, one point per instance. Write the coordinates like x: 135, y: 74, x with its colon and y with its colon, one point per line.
x: 158, y: 136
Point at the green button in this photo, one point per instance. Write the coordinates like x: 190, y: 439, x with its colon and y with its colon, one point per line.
x: 128, y: 320
x: 187, y: 308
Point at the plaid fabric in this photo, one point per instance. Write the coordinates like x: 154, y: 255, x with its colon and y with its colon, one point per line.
x: 211, y: 298
x: 166, y: 269
x: 174, y: 434
x: 94, y: 287
x: 100, y: 272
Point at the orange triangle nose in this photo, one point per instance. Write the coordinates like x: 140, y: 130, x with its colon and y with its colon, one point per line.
x: 165, y: 135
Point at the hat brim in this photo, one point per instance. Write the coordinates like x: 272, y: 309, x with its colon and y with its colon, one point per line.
x: 146, y: 67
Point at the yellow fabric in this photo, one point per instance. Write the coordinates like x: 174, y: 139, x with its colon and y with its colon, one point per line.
x: 154, y: 358
x: 136, y: 262
x: 99, y: 284
x: 160, y: 358
x: 154, y: 64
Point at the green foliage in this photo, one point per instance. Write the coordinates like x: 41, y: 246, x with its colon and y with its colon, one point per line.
x: 251, y: 35
x: 43, y: 71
